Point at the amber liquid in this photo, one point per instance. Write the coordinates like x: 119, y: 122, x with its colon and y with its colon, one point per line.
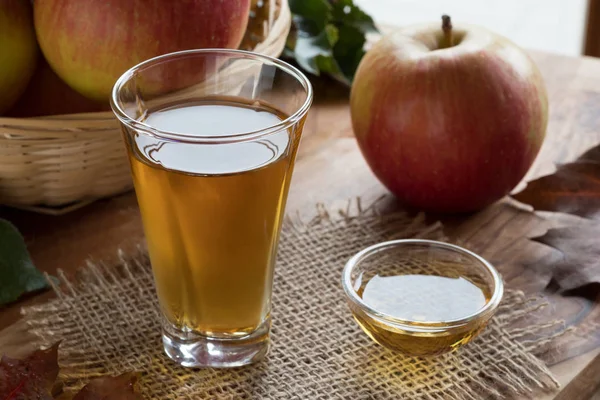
x: 212, y: 213
x: 422, y: 299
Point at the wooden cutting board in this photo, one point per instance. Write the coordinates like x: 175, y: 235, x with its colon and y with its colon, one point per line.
x: 331, y: 170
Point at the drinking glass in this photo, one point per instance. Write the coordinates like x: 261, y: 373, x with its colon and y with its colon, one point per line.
x: 212, y: 136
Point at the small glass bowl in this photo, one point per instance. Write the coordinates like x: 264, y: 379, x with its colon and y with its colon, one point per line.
x: 421, y: 297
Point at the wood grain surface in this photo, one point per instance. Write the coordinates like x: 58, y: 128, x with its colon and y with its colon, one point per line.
x: 330, y: 170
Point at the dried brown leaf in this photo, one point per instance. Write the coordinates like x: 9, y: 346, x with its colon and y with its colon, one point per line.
x: 31, y: 378
x: 122, y: 387
x: 34, y: 377
x: 579, y: 263
x: 574, y: 188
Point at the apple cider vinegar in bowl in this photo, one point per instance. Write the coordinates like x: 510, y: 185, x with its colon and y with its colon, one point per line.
x: 421, y: 297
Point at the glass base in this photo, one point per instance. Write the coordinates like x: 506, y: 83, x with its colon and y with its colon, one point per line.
x: 205, y: 351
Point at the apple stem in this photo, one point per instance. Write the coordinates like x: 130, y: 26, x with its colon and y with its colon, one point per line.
x: 447, y: 41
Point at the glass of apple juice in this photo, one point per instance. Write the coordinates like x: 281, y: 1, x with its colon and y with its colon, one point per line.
x: 212, y: 136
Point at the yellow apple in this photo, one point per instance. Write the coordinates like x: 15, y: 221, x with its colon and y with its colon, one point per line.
x: 18, y: 49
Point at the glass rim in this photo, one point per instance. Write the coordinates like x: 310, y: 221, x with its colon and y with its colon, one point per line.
x: 232, y: 138
x: 411, y: 325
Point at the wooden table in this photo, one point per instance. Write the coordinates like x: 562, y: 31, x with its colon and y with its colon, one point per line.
x: 330, y: 170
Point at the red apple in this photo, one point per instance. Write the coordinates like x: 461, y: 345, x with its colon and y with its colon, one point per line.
x: 47, y: 94
x: 18, y: 50
x: 90, y: 43
x: 449, y: 120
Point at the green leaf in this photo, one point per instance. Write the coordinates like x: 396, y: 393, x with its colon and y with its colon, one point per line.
x: 332, y: 34
x: 330, y: 66
x: 18, y: 275
x: 344, y: 11
x: 348, y: 50
x: 328, y: 37
x: 311, y: 51
x: 312, y: 15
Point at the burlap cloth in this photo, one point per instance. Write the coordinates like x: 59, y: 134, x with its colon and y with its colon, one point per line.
x: 108, y: 322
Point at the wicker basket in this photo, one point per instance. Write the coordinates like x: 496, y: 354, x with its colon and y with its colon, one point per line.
x: 56, y: 164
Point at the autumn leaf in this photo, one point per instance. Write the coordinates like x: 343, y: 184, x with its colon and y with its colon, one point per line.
x: 122, y: 387
x: 579, y: 261
x: 574, y: 188
x: 34, y: 377
x: 31, y: 378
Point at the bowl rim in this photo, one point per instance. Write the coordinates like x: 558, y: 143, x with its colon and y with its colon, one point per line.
x: 484, y: 312
x: 245, y: 136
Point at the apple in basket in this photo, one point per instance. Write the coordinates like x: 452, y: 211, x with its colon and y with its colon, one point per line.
x: 47, y: 94
x: 90, y: 43
x: 18, y: 50
x: 450, y: 120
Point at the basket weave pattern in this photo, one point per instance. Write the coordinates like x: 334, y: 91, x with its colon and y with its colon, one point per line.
x: 57, y: 163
